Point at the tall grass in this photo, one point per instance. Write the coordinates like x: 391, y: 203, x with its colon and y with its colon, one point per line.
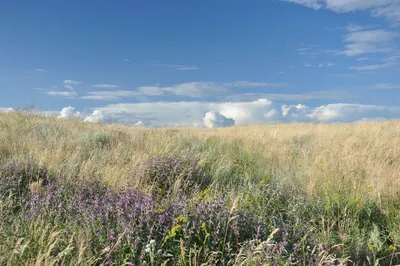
x: 308, y: 193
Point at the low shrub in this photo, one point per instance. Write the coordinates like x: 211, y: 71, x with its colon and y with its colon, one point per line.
x: 172, y: 172
x: 16, y: 178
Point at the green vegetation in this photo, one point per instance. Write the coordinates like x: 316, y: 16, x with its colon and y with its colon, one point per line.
x: 73, y: 193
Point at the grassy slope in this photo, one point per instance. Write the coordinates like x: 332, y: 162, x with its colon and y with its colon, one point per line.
x: 341, y: 168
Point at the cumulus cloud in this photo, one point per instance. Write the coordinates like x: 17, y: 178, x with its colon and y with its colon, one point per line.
x: 68, y: 94
x: 7, y: 110
x: 341, y: 112
x: 216, y: 119
x: 95, y: 117
x: 262, y: 111
x: 139, y: 124
x: 68, y: 113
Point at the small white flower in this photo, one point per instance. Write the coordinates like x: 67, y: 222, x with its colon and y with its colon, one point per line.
x: 152, y: 242
x: 147, y: 250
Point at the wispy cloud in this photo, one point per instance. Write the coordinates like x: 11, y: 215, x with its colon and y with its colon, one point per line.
x: 389, y: 9
x: 105, y: 86
x: 248, y: 84
x: 68, y: 94
x: 315, y: 4
x: 371, y: 67
x: 390, y: 12
x: 69, y: 87
x: 354, y: 27
x: 71, y: 82
x: 363, y: 59
x: 347, y: 75
x: 319, y: 65
x: 190, y: 89
x: 326, y: 65
x: 110, y: 95
x: 306, y: 96
x: 187, y: 67
x: 179, y: 67
x: 386, y: 86
x: 372, y: 41
x: 40, y: 70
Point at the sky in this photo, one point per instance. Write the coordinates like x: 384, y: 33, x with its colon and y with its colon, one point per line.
x: 209, y: 63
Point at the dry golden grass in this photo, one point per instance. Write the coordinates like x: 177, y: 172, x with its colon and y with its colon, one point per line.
x: 317, y: 157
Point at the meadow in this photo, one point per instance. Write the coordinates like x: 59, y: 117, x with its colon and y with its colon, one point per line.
x: 75, y: 193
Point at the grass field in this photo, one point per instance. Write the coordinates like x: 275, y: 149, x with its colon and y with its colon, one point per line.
x: 74, y: 193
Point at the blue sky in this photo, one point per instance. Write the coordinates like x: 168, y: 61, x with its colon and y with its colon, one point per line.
x: 204, y: 63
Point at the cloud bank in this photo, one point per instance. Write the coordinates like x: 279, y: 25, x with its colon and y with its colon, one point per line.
x: 223, y: 114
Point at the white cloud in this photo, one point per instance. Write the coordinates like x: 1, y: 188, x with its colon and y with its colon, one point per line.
x: 69, y: 94
x: 189, y: 89
x: 69, y: 87
x: 259, y: 111
x: 95, y: 117
x: 68, y: 113
x: 71, y: 82
x: 215, y: 119
x: 341, y: 112
x: 326, y: 65
x: 371, y: 67
x: 372, y: 41
x: 139, y: 124
x: 353, y: 27
x: 150, y: 90
x: 7, y: 110
x: 363, y: 59
x: 315, y: 4
x: 295, y: 113
x: 196, y: 89
x: 179, y: 67
x: 312, y: 95
x: 158, y: 114
x: 389, y: 9
x: 394, y: 58
x: 355, y: 5
x: 40, y: 70
x: 105, y: 86
x: 308, y: 65
x: 390, y: 12
x: 249, y: 84
x: 110, y: 95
